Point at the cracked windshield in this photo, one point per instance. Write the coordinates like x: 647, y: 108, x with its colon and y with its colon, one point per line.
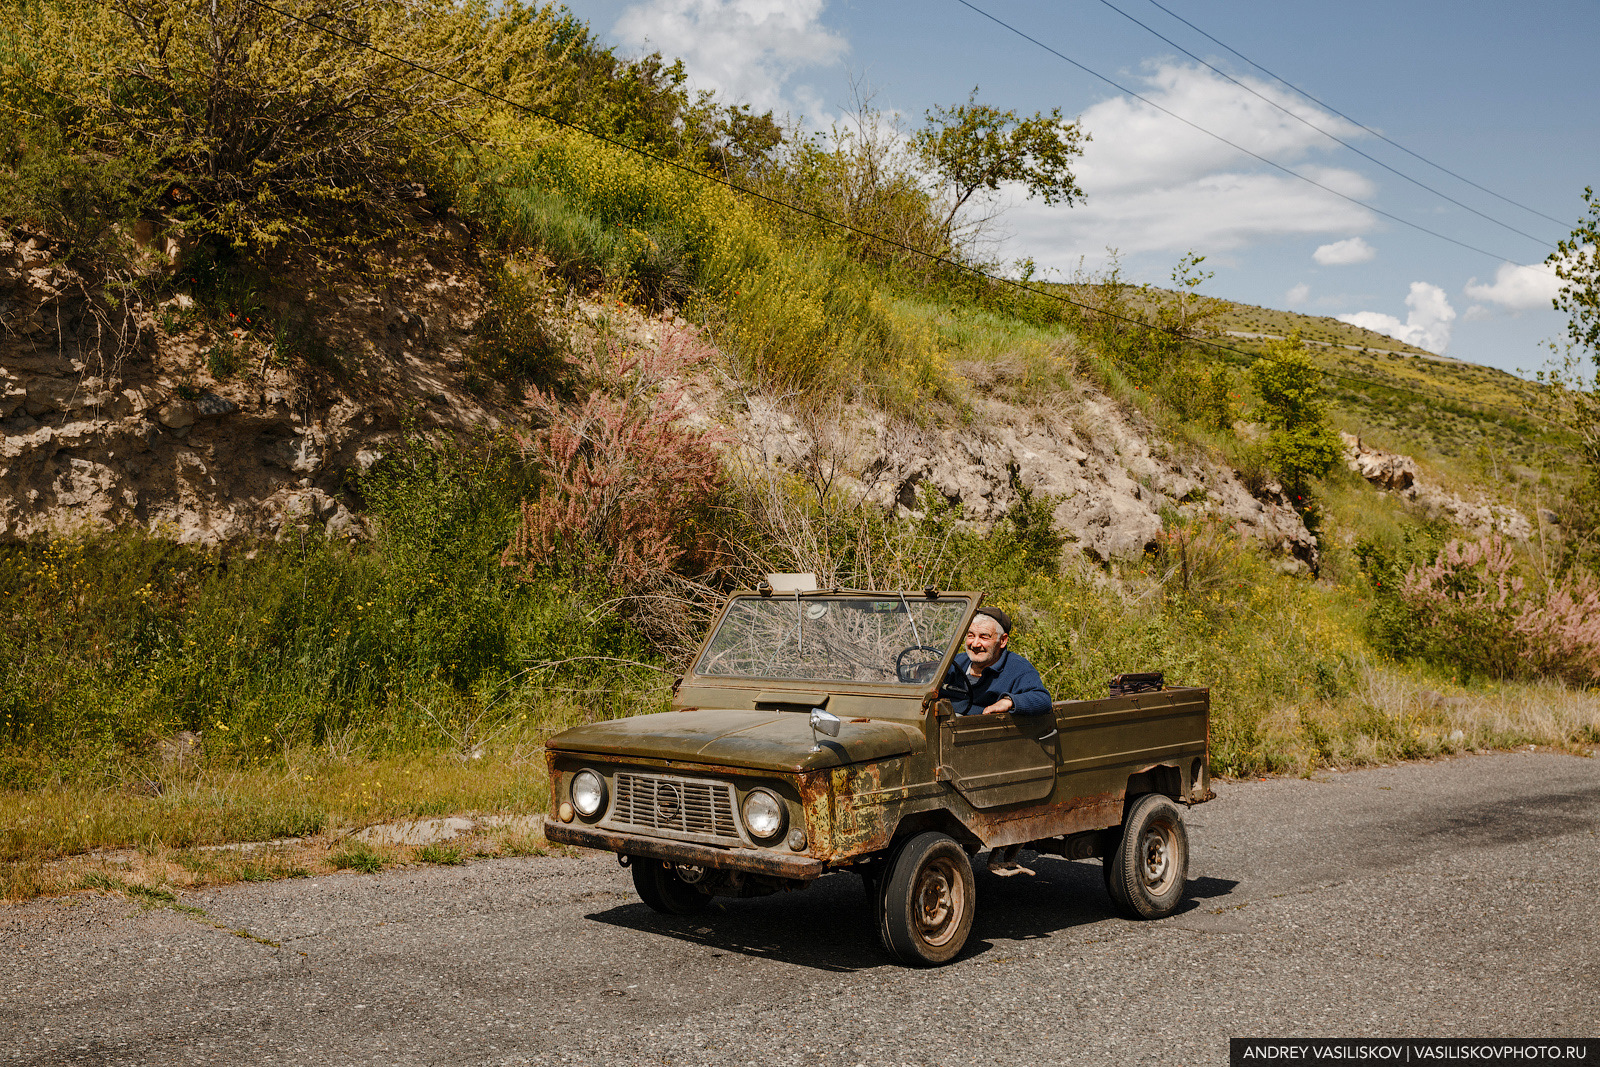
x: 834, y: 638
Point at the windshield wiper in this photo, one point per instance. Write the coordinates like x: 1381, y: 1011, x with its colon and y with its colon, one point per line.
x: 799, y: 627
x: 915, y: 637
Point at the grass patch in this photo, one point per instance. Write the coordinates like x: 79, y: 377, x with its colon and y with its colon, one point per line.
x: 358, y: 856
x: 441, y: 855
x: 312, y: 794
x: 796, y: 313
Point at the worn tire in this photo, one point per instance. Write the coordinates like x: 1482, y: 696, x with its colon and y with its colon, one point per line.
x: 1148, y: 871
x: 926, y: 901
x: 659, y: 886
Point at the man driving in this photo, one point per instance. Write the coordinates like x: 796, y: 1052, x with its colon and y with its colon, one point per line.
x: 987, y: 677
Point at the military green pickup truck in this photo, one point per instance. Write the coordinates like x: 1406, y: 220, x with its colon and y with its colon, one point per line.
x: 809, y: 737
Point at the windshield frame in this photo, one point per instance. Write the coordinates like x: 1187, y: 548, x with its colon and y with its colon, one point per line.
x: 965, y: 603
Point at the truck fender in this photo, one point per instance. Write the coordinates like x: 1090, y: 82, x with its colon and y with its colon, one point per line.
x: 943, y: 821
x: 1163, y: 778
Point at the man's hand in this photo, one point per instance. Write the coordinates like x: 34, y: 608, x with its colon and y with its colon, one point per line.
x: 1003, y: 704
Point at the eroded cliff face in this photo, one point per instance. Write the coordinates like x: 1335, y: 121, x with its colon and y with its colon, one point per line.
x: 116, y: 415
x: 122, y: 414
x: 1112, y: 476
x: 1391, y: 472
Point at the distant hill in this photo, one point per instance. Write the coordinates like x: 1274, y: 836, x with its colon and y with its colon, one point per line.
x: 1471, y: 424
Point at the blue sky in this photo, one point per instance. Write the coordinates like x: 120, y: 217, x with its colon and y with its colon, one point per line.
x: 1505, y: 95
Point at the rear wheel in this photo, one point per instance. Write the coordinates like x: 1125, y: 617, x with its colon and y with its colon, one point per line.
x: 667, y: 888
x: 926, y: 902
x: 1148, y: 870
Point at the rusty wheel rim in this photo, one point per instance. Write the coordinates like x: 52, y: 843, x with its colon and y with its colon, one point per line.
x: 938, y: 902
x: 1157, y: 860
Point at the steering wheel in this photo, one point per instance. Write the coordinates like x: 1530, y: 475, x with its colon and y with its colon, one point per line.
x: 917, y: 672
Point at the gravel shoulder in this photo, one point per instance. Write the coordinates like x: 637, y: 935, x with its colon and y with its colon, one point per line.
x: 1430, y: 899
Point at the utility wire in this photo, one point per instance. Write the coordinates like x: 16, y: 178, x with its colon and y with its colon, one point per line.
x: 1331, y: 136
x: 1347, y: 118
x: 1231, y: 144
x: 889, y: 241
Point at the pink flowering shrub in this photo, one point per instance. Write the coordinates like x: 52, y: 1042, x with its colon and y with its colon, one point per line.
x: 1470, y: 610
x: 625, y: 480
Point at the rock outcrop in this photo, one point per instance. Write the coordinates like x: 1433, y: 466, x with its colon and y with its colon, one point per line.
x: 1113, y: 479
x: 1394, y: 473
x: 115, y: 413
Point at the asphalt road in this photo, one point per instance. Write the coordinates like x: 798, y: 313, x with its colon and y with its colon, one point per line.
x: 1455, y: 898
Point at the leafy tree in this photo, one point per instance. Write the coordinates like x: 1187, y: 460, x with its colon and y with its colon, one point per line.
x: 973, y: 147
x: 261, y: 124
x: 859, y: 174
x: 1577, y: 263
x: 1573, y: 395
x: 646, y: 102
x: 1301, y: 445
x: 1194, y: 314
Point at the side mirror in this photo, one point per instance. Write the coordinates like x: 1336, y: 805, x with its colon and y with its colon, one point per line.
x: 823, y: 722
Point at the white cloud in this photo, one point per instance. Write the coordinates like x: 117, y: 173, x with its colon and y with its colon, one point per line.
x: 1518, y: 288
x: 1156, y: 184
x: 1344, y: 253
x: 1427, y: 326
x: 746, y: 50
x: 1136, y: 145
x: 1298, y: 294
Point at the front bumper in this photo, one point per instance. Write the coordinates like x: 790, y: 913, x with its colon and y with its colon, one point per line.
x: 756, y: 861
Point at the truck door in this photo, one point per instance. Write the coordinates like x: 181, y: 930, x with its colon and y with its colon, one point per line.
x: 999, y: 759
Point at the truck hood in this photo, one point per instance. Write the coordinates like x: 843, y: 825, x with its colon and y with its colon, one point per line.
x: 766, y: 740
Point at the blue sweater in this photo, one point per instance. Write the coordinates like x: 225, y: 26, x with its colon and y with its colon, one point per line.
x: 1009, y: 676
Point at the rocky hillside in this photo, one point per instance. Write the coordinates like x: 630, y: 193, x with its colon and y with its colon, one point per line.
x: 154, y: 416
x: 132, y: 414
x: 126, y: 417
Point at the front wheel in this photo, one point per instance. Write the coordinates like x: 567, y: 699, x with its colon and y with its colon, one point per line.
x: 926, y: 902
x: 663, y: 887
x: 1148, y: 870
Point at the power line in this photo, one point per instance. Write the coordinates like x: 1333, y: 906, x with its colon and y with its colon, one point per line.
x: 1326, y: 133
x: 755, y: 194
x: 1329, y: 107
x: 1237, y: 147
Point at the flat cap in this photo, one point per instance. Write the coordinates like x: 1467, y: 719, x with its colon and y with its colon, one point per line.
x: 998, y: 616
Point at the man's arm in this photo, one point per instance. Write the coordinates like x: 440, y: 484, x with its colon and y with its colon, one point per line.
x: 1024, y: 690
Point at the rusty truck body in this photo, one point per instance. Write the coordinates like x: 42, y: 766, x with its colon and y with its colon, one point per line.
x: 809, y: 737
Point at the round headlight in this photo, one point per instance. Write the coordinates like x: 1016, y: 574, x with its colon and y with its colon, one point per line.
x: 764, y: 815
x: 588, y: 792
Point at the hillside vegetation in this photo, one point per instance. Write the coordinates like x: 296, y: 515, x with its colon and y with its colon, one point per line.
x: 1475, y: 425
x: 560, y: 567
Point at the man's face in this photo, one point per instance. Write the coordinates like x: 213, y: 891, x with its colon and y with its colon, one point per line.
x: 985, y: 641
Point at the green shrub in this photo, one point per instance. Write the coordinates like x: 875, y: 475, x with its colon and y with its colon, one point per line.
x: 82, y: 196
x: 1302, y: 445
x: 1461, y: 606
x: 224, y: 358
x: 420, y: 640
x: 243, y: 121
x: 514, y: 341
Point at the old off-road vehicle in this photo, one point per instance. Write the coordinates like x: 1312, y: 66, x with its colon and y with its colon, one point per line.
x: 809, y: 736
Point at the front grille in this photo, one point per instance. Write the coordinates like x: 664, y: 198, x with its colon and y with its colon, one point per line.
x: 684, y: 805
